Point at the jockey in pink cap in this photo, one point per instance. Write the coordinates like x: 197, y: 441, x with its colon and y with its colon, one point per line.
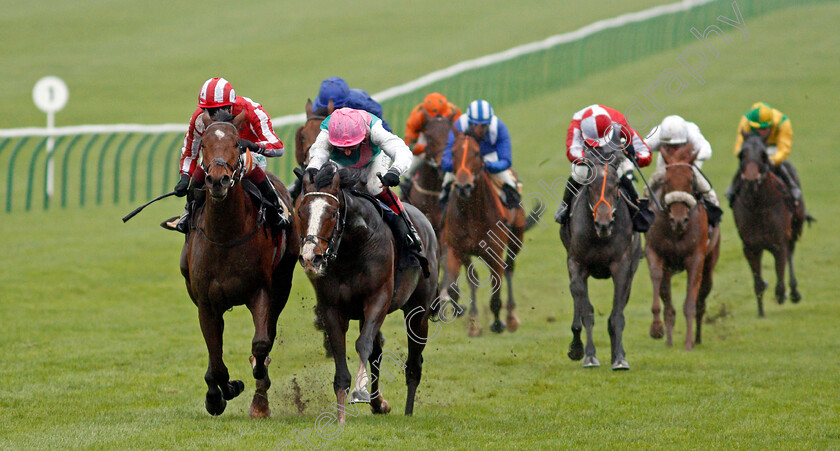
x: 218, y: 98
x: 357, y: 139
x: 602, y: 127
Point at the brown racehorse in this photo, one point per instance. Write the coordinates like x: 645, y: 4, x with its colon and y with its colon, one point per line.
x: 678, y: 241
x: 230, y: 259
x: 600, y: 242
x: 426, y: 187
x: 766, y: 218
x: 477, y: 224
x: 305, y: 134
x: 348, y: 253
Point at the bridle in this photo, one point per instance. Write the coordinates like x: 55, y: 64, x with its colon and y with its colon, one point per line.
x: 236, y: 173
x: 334, y: 240
x: 463, y: 164
x: 602, y: 199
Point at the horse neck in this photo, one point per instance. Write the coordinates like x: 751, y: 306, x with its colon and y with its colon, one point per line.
x: 361, y: 225
x: 479, y: 200
x: 766, y: 196
x: 429, y: 177
x: 228, y: 218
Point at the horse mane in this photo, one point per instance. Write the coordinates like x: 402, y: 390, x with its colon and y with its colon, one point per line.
x: 348, y: 177
x: 221, y: 115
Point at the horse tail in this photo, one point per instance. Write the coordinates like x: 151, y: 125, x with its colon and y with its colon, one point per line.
x: 537, y: 210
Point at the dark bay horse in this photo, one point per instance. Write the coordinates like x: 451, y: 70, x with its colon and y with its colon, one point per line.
x: 678, y: 241
x: 426, y: 187
x: 766, y: 218
x: 229, y: 259
x: 477, y: 224
x: 305, y: 134
x: 348, y: 253
x: 600, y: 242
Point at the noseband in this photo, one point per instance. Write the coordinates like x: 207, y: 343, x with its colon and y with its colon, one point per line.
x: 602, y: 199
x: 334, y: 240
x: 673, y: 197
x: 236, y: 173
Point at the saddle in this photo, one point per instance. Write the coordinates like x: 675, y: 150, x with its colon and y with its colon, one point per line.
x: 500, y: 192
x: 405, y: 257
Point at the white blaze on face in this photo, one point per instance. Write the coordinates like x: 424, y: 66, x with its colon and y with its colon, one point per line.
x: 316, y: 213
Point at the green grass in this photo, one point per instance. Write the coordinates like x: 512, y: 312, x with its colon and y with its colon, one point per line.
x: 100, y: 345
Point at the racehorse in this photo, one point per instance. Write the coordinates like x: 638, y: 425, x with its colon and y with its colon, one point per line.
x: 600, y: 242
x: 349, y: 255
x: 679, y: 240
x: 477, y: 224
x: 305, y: 134
x: 766, y: 218
x: 230, y: 258
x: 426, y: 187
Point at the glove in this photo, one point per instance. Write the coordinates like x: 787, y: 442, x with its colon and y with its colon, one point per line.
x: 253, y: 147
x: 418, y: 149
x: 391, y: 178
x: 630, y: 151
x: 183, y: 185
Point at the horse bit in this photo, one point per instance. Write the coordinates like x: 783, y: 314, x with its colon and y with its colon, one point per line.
x: 334, y: 240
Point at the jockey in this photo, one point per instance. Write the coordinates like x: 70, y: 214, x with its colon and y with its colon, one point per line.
x: 357, y: 139
x: 336, y: 89
x: 674, y: 133
x: 598, y: 126
x: 217, y: 96
x: 775, y: 129
x: 494, y: 144
x: 434, y: 105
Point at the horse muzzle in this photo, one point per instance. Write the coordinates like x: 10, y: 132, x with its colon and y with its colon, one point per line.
x: 465, y: 190
x: 218, y: 187
x: 313, y: 264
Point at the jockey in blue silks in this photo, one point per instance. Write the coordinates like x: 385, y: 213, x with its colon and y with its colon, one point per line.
x: 336, y: 89
x: 494, y: 143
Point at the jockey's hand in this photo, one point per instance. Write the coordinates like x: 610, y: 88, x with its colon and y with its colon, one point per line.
x: 183, y: 185
x: 630, y: 151
x: 253, y: 147
x: 391, y: 178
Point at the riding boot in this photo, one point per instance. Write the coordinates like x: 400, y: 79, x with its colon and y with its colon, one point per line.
x: 412, y: 238
x: 795, y: 192
x: 276, y: 220
x: 565, y: 209
x: 642, y: 217
x: 512, y: 197
x: 444, y: 194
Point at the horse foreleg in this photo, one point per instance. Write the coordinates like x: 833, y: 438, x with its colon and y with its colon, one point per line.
x: 622, y: 275
x: 378, y: 404
x: 657, y: 329
x: 336, y: 327
x: 694, y: 276
x: 759, y: 285
x: 475, y: 323
x: 586, y: 313
x: 265, y: 329
x: 220, y: 389
x: 369, y: 332
x: 419, y: 325
x: 512, y: 319
x: 781, y: 259
x: 670, y: 314
x: 496, y: 270
x: 795, y: 297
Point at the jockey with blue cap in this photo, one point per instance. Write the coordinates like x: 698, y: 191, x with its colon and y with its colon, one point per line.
x: 336, y: 89
x: 494, y: 144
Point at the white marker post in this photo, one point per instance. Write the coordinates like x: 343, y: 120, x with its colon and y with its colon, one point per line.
x: 50, y: 95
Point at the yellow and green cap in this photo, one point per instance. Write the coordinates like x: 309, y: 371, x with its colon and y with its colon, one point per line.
x: 760, y: 116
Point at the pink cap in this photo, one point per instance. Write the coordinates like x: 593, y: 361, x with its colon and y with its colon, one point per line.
x: 348, y: 127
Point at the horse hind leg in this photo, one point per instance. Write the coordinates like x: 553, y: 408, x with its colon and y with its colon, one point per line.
x: 475, y: 323
x: 512, y: 319
x: 419, y: 326
x: 670, y: 314
x: 220, y: 389
x: 781, y: 260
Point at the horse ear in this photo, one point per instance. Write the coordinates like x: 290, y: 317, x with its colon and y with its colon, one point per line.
x: 308, y: 107
x: 451, y: 116
x: 666, y: 155
x: 336, y: 182
x: 745, y: 135
x: 205, y: 119
x: 426, y: 114
x: 330, y: 107
x: 239, y: 119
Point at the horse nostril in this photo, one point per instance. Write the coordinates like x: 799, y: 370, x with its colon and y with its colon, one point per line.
x: 317, y: 259
x: 225, y: 179
x: 209, y: 179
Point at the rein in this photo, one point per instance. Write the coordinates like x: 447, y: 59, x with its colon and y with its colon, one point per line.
x: 463, y: 165
x: 603, y: 190
x: 334, y: 240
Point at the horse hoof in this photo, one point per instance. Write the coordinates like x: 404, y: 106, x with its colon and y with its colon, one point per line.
x: 497, y: 327
x: 215, y: 407
x: 657, y: 330
x: 621, y: 365
x: 795, y: 297
x: 236, y: 388
x: 384, y: 407
x: 780, y: 299
x: 512, y: 323
x: 576, y: 351
x: 359, y: 396
x: 591, y: 362
x: 259, y: 411
x: 475, y: 329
